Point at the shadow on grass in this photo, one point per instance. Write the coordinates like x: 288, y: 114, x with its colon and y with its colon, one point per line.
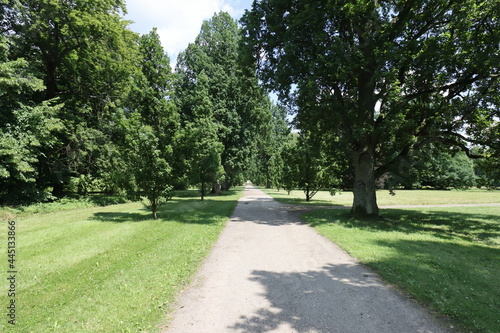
x: 121, y: 217
x: 185, y: 210
x: 448, y: 224
x: 459, y: 280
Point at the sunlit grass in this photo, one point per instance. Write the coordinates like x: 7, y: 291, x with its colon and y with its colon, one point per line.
x: 110, y: 269
x: 384, y: 198
x: 446, y: 258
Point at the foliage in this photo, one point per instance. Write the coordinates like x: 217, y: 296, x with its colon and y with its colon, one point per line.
x: 26, y: 129
x: 203, y: 152
x: 384, y: 76
x: 213, y: 86
x: 268, y: 162
x: 151, y: 128
x: 435, y: 167
x: 84, y: 54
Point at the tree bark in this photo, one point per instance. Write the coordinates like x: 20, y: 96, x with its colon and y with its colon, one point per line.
x: 365, y: 197
x: 154, y: 208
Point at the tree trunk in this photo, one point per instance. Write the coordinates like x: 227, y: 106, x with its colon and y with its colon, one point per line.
x: 216, y: 187
x: 51, y: 79
x: 154, y: 208
x: 202, y: 191
x: 365, y: 197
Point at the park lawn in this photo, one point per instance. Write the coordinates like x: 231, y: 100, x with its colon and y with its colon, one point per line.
x: 384, y: 198
x: 110, y: 269
x: 447, y: 258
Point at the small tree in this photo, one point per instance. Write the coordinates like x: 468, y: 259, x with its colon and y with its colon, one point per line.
x: 150, y: 174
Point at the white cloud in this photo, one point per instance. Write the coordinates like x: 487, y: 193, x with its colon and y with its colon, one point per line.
x: 178, y: 21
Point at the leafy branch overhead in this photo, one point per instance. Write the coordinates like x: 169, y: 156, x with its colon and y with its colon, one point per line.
x: 385, y: 76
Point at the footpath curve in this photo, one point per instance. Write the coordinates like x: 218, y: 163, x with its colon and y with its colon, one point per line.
x: 270, y: 272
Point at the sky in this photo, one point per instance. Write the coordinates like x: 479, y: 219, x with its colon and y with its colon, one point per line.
x: 178, y: 21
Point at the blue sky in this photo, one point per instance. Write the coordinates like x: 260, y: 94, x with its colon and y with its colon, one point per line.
x: 178, y: 21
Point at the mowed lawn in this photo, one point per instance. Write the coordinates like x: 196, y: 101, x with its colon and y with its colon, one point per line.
x: 384, y: 198
x: 110, y: 269
x: 448, y: 258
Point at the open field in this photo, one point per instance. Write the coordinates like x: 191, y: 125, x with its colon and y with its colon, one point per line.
x: 447, y: 258
x: 110, y: 269
x: 402, y: 197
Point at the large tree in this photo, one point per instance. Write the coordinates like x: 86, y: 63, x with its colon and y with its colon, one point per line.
x: 387, y: 76
x: 210, y: 75
x: 84, y: 54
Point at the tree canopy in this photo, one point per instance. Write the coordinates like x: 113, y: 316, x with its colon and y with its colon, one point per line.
x: 387, y: 77
x: 87, y: 105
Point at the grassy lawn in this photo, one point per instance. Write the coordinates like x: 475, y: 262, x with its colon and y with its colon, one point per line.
x: 110, y: 269
x: 447, y: 258
x: 402, y: 197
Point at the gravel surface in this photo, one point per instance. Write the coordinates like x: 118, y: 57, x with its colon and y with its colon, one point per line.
x: 270, y: 272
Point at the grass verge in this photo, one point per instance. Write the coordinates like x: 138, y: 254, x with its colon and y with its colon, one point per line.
x: 110, y: 269
x: 402, y: 197
x: 447, y: 258
x: 66, y: 203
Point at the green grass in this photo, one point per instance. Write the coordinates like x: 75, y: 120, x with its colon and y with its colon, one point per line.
x: 402, y: 197
x: 447, y: 258
x: 110, y: 269
x: 66, y: 203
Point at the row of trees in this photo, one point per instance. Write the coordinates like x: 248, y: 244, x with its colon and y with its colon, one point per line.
x: 89, y: 106
x: 377, y: 87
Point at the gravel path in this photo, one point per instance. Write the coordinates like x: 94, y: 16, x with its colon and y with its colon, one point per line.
x: 269, y: 272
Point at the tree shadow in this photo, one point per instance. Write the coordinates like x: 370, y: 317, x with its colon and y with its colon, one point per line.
x: 334, y: 298
x: 456, y: 279
x: 121, y: 217
x: 447, y: 224
x: 183, y: 209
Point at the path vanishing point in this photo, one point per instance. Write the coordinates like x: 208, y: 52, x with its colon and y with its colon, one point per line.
x: 270, y: 272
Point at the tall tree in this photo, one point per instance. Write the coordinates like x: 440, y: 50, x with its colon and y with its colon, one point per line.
x: 26, y: 127
x: 150, y: 125
x: 84, y: 54
x: 269, y: 144
x: 386, y: 76
x: 236, y: 99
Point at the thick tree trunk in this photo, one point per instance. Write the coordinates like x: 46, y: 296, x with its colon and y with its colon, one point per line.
x: 365, y: 197
x: 216, y: 188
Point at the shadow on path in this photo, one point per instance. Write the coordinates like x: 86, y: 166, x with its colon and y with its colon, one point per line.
x: 335, y: 298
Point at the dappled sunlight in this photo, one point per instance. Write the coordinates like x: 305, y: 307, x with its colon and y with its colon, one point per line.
x: 452, y: 277
x: 471, y: 223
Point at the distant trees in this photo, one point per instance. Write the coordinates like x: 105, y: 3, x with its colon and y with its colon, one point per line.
x: 435, y: 167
